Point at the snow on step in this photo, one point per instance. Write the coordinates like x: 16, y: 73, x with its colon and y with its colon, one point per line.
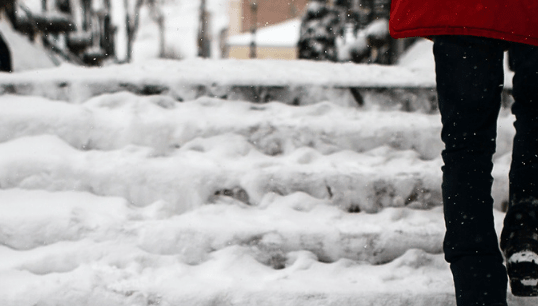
x: 309, y: 145
x: 34, y: 219
x: 74, y: 248
x: 112, y: 121
x: 237, y: 72
x: 205, y: 168
x: 188, y: 79
x: 69, y: 247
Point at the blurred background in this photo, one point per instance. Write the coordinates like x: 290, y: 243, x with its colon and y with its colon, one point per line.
x: 42, y: 33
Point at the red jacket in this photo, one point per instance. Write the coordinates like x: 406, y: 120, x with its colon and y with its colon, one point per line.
x: 512, y: 20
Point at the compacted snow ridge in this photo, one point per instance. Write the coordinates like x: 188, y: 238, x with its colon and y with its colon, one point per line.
x: 121, y: 198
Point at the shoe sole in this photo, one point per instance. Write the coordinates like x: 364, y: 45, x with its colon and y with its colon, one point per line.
x: 523, y: 278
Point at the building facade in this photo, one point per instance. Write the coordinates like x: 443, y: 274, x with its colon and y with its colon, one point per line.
x: 245, y: 14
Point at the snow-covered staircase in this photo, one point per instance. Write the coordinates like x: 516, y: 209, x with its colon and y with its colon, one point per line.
x: 141, y: 185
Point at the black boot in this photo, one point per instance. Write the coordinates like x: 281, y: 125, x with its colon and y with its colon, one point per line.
x: 519, y: 243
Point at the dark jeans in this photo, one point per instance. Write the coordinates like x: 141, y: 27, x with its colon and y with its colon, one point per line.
x: 469, y: 83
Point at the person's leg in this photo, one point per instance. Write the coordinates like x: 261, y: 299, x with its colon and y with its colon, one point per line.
x: 520, y: 232
x: 5, y: 56
x: 524, y: 168
x: 470, y: 79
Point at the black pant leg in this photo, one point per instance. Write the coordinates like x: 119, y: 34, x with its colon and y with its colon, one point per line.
x: 5, y: 56
x: 524, y: 167
x: 470, y: 79
x: 522, y: 217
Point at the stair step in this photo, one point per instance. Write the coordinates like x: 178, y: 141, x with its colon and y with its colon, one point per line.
x: 291, y: 82
x: 200, y: 171
x: 162, y: 124
x: 279, y: 226
x: 297, y: 246
x: 362, y: 161
x: 293, y: 250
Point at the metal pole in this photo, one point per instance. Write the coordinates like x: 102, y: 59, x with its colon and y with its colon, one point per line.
x: 253, y: 28
x: 203, y: 32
